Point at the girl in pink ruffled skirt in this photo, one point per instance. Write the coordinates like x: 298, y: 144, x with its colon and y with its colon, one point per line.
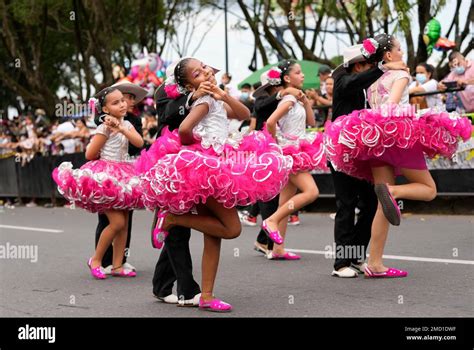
x: 288, y: 125
x: 202, y: 168
x: 107, y: 183
x: 388, y: 140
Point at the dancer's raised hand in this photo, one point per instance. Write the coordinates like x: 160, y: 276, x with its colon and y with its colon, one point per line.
x: 398, y: 65
x: 297, y: 93
x: 204, y: 89
x: 218, y: 93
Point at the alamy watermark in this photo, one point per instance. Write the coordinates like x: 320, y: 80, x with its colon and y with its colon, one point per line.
x: 344, y: 252
x: 12, y: 251
x: 37, y: 333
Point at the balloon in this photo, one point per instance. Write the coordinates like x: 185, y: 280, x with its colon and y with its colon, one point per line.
x: 134, y: 72
x: 147, y: 70
x: 431, y: 34
x: 444, y: 44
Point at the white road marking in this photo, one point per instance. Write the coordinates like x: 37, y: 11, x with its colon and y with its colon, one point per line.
x: 393, y: 257
x: 25, y: 228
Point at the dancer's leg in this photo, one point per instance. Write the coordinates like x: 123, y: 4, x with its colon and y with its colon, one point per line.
x: 380, y: 224
x: 286, y: 194
x: 309, y: 192
x: 116, y: 225
x: 119, y: 244
x: 421, y: 187
x: 222, y: 223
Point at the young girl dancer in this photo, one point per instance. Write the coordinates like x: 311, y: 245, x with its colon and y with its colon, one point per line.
x: 201, y: 167
x: 108, y: 182
x: 306, y: 150
x: 389, y: 140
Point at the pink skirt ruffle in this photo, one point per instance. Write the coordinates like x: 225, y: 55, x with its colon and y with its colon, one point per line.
x: 177, y: 177
x: 366, y: 138
x: 100, y: 185
x: 307, y: 156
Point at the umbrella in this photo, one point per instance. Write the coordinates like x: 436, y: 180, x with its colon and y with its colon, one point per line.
x: 310, y: 70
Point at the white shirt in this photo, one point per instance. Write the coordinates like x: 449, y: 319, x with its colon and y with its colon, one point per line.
x: 116, y: 146
x: 213, y: 129
x: 431, y: 85
x: 69, y: 145
x: 293, y: 123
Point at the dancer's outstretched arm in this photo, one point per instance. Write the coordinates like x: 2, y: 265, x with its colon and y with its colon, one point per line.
x: 310, y: 120
x: 94, y: 147
x: 234, y: 108
x: 194, y: 117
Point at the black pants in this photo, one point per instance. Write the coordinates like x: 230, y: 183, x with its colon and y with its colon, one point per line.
x: 254, y: 210
x: 266, y: 210
x: 352, y: 239
x: 103, y: 223
x: 175, y: 264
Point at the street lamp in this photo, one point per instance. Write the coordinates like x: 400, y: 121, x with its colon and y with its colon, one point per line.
x: 226, y: 45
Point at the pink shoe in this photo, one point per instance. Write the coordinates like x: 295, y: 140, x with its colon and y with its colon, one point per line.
x: 97, y: 272
x: 390, y: 273
x: 158, y: 235
x: 215, y: 305
x: 389, y: 204
x: 124, y: 273
x: 273, y: 235
x: 286, y: 256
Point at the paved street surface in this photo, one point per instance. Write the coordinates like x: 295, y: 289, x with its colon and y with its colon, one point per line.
x: 440, y: 284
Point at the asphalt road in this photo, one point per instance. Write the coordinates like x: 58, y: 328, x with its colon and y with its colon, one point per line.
x: 58, y: 284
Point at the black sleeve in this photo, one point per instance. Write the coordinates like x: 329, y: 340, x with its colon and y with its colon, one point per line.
x: 263, y: 103
x: 176, y: 109
x: 169, y: 112
x: 359, y: 80
x: 137, y: 124
x: 97, y: 120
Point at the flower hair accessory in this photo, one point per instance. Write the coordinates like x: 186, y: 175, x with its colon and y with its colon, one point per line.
x: 369, y: 47
x: 172, y: 89
x: 274, y: 76
x: 93, y: 105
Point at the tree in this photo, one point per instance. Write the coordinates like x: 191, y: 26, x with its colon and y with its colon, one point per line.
x: 351, y: 20
x: 48, y: 44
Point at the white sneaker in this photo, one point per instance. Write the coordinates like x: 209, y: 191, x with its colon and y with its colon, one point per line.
x: 31, y: 205
x: 190, y: 302
x: 332, y: 216
x: 129, y: 266
x: 169, y: 299
x: 260, y: 248
x: 359, y: 268
x: 108, y: 270
x: 346, y: 272
x: 248, y: 220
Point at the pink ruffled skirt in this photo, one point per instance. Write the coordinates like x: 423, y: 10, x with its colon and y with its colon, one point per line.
x: 100, y: 185
x: 177, y: 177
x: 364, y: 139
x: 307, y: 153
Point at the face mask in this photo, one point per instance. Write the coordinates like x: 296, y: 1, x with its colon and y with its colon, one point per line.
x: 459, y: 70
x: 421, y: 78
x: 244, y: 96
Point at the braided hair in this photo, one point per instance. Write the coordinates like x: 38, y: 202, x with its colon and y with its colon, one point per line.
x: 285, y: 67
x: 180, y: 72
